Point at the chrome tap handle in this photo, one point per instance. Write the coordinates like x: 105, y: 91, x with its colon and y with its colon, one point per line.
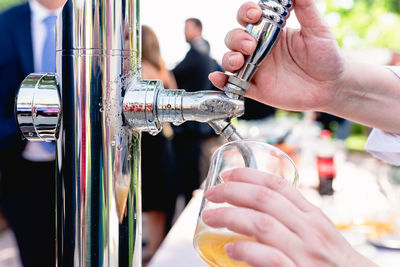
x: 266, y: 32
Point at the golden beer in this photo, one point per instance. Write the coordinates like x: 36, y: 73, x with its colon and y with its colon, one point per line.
x: 210, y: 245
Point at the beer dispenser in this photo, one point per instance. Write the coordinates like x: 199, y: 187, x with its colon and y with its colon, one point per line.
x: 97, y: 105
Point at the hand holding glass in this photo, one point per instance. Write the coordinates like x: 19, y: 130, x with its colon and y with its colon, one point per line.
x: 210, y: 242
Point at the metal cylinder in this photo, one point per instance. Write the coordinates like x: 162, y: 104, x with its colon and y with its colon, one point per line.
x: 98, y: 159
x: 38, y: 108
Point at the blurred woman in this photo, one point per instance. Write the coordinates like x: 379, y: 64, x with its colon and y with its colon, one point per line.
x: 153, y: 67
x: 158, y: 158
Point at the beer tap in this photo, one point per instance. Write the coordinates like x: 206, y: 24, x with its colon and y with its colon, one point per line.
x: 96, y: 107
x: 147, y: 104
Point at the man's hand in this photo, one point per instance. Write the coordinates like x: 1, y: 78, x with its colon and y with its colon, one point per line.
x: 288, y: 229
x: 304, y: 69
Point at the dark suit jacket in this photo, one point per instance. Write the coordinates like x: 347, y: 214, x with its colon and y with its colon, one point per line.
x: 191, y: 74
x: 16, y: 62
x: 254, y: 110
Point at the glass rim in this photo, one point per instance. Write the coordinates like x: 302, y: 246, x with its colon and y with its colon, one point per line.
x: 258, y: 143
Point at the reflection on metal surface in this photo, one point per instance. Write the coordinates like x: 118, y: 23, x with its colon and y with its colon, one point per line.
x: 98, y: 183
x: 38, y: 108
x: 147, y: 106
x: 266, y: 33
x: 105, y: 106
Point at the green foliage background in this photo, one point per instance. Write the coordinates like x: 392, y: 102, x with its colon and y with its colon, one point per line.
x: 4, y: 4
x: 364, y: 23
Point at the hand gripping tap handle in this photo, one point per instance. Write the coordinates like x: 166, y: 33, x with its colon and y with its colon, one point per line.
x: 266, y: 33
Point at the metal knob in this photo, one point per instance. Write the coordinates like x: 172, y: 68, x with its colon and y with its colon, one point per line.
x: 266, y: 32
x: 38, y: 107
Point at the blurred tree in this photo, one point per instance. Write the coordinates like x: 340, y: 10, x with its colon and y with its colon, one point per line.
x: 364, y: 23
x: 4, y: 4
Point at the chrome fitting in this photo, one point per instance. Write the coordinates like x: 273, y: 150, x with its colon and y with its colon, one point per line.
x: 147, y: 106
x: 38, y: 107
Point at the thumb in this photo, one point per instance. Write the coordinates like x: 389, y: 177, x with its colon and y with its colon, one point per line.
x: 310, y: 18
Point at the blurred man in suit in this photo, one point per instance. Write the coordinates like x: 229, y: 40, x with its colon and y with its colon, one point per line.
x: 27, y: 192
x: 192, y: 74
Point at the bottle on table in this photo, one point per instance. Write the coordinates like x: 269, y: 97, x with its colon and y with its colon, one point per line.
x: 325, y: 163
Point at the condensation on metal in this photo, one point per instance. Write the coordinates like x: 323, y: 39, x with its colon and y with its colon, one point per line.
x: 98, y: 183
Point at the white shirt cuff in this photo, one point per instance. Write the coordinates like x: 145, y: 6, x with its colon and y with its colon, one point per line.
x: 384, y: 146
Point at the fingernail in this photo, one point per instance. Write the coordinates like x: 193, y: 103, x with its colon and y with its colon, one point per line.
x: 226, y: 174
x: 229, y: 250
x: 233, y: 60
x: 207, y: 215
x: 209, y: 192
x: 252, y: 14
x: 247, y: 46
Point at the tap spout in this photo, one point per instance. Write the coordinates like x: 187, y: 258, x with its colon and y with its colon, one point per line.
x: 206, y: 106
x: 147, y: 105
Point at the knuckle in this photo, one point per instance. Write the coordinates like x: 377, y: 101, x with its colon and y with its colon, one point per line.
x: 315, y: 213
x: 275, y: 259
x: 263, y: 224
x: 279, y: 184
x: 226, y: 188
x: 263, y: 195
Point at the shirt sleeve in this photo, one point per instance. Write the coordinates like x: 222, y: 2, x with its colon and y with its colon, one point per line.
x: 383, y: 145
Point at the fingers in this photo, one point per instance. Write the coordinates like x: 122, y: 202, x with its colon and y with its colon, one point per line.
x: 258, y: 198
x: 266, y: 229
x: 219, y: 79
x: 310, y: 18
x: 240, y: 41
x: 307, y: 14
x: 257, y: 255
x: 248, y: 13
x: 273, y: 182
x: 232, y: 61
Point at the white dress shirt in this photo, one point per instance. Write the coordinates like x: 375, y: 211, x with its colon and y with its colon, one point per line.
x: 33, y: 150
x: 38, y: 30
x: 383, y: 145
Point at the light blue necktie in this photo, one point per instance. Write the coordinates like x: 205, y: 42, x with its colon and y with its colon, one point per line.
x: 49, y: 61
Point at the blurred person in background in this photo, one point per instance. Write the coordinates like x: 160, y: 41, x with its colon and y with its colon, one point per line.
x: 305, y: 71
x: 192, y: 75
x: 158, y: 159
x: 27, y: 190
x: 255, y: 110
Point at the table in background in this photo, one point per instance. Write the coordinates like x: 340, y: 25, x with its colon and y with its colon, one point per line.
x: 177, y: 248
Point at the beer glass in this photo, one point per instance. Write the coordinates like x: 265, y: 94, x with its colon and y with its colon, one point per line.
x: 210, y: 242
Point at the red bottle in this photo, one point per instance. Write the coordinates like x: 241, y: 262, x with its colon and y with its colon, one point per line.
x: 325, y: 163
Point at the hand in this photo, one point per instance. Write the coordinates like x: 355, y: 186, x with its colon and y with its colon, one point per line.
x: 304, y: 69
x: 289, y: 231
